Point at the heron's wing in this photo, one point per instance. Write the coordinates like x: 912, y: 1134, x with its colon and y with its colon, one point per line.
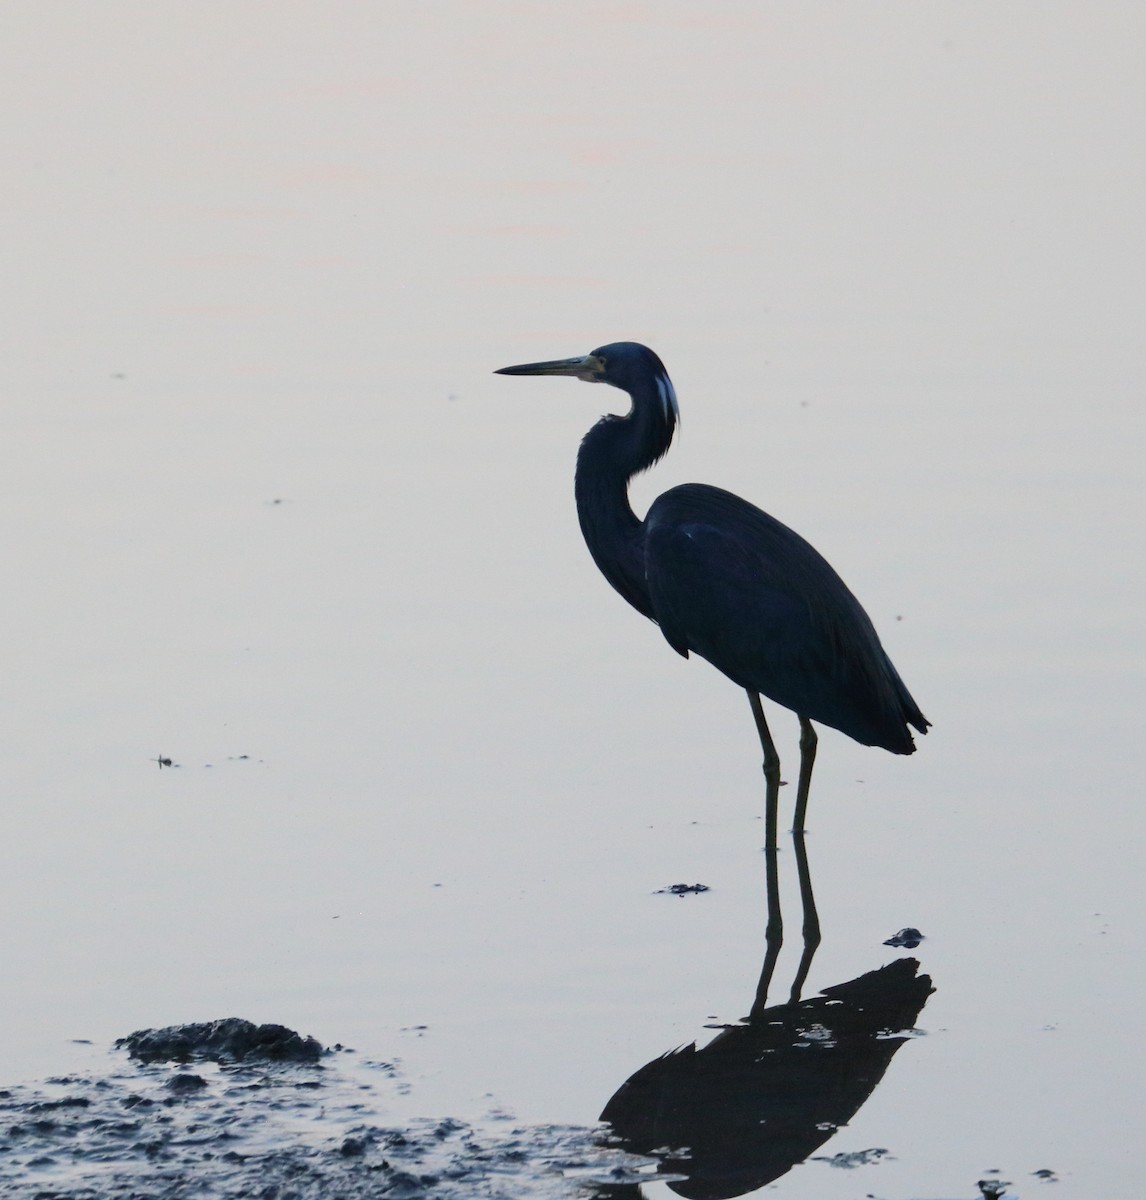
x: 745, y: 592
x: 733, y: 584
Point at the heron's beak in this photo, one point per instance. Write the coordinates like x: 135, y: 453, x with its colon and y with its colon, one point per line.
x: 588, y: 367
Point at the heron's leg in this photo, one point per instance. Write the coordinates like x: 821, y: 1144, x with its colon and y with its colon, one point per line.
x: 808, y: 741
x: 774, y: 933
x: 772, y: 783
x: 807, y: 899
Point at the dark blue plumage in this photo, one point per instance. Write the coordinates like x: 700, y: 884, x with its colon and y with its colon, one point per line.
x: 740, y: 589
x: 723, y: 579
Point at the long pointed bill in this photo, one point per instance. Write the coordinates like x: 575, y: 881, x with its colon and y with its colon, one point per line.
x: 587, y: 367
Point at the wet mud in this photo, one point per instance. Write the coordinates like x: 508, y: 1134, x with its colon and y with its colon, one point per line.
x: 231, y: 1040
x: 230, y: 1109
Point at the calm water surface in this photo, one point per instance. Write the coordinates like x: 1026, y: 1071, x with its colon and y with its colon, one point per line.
x: 267, y: 513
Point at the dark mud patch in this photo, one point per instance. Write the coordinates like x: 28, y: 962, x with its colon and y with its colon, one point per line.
x: 250, y: 1125
x: 231, y: 1040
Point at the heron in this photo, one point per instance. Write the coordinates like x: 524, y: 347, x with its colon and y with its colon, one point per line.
x: 726, y: 581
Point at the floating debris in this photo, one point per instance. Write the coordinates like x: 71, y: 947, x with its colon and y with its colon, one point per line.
x: 907, y: 938
x: 682, y: 889
x: 855, y: 1158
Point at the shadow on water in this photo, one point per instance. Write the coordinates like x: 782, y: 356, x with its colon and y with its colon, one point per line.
x: 763, y: 1095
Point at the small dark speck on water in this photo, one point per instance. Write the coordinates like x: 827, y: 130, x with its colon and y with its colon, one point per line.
x: 682, y: 889
x: 1046, y: 1175
x: 907, y: 937
x: 164, y: 761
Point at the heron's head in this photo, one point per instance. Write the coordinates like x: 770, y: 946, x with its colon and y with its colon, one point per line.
x: 626, y: 365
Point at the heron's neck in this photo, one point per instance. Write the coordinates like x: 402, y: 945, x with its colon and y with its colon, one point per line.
x: 611, y: 453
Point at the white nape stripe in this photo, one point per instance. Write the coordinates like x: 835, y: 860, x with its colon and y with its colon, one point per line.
x: 668, y: 397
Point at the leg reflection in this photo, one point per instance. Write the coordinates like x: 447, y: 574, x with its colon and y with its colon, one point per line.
x: 774, y: 934
x: 811, y: 919
x: 807, y: 899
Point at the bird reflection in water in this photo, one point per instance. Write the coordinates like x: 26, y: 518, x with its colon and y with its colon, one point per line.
x: 764, y: 1095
